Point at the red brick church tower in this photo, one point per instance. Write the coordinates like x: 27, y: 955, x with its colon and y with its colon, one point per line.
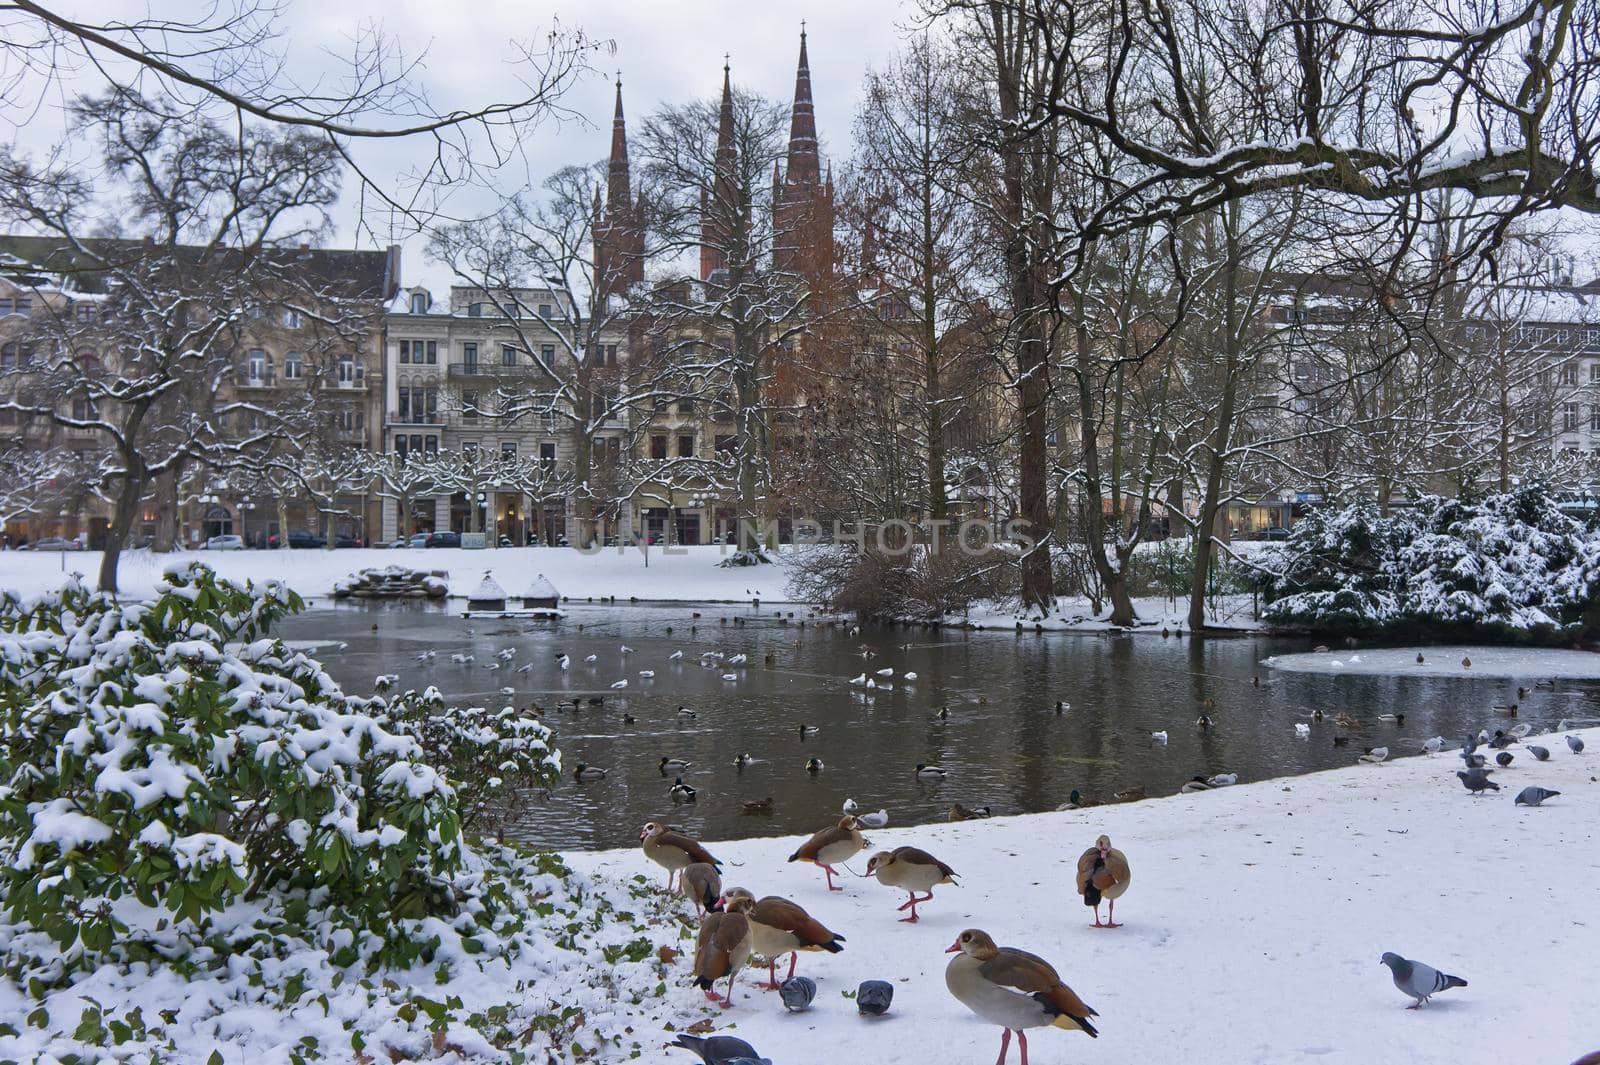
x: 802, y: 197
x: 618, y: 230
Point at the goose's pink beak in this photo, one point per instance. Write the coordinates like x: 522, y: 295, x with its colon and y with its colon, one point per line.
x: 954, y: 948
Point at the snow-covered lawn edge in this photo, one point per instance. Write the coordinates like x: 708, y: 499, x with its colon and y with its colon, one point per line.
x: 663, y: 574
x: 1254, y: 922
x: 1155, y: 614
x: 1471, y: 660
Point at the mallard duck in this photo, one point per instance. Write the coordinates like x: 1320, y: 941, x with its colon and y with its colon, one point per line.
x: 673, y: 765
x: 814, y: 765
x: 681, y: 792
x: 931, y: 772
x: 588, y: 772
x: 757, y: 806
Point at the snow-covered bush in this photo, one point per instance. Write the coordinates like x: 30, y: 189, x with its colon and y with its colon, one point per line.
x: 913, y: 584
x: 175, y: 754
x: 1512, y: 565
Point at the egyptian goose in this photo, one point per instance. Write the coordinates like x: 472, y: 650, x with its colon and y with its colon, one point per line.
x: 701, y: 883
x: 1103, y: 873
x: 913, y: 870
x: 722, y: 950
x: 672, y: 850
x: 1013, y: 989
x: 779, y: 927
x: 838, y: 843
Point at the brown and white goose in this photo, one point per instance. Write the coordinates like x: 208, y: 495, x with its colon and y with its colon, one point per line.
x: 1013, y: 989
x: 912, y: 870
x: 779, y: 927
x: 838, y: 843
x: 672, y: 850
x: 1103, y: 874
x: 703, y: 886
x: 722, y: 950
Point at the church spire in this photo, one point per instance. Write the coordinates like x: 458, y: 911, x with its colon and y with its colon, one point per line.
x: 617, y: 185
x: 803, y: 167
x: 618, y: 236
x: 719, y: 205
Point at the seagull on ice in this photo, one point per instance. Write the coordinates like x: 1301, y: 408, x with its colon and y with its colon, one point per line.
x: 425, y: 656
x: 730, y: 676
x: 738, y: 660
x: 908, y: 676
x: 1302, y: 730
x: 877, y: 820
x: 859, y: 681
x: 507, y: 655
x: 591, y: 658
x: 1418, y: 980
x: 886, y: 672
x: 463, y: 659
x: 563, y: 660
x: 1158, y: 737
x: 619, y: 685
x: 528, y: 668
x: 647, y: 674
x: 674, y: 656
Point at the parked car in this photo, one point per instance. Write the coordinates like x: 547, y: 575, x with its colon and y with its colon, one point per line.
x: 443, y: 539
x: 226, y: 542
x: 347, y: 541
x: 300, y: 538
x: 1274, y: 532
x: 418, y: 540
x: 56, y: 543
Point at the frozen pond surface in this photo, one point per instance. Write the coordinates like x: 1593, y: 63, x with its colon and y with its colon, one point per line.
x: 1525, y: 664
x: 1002, y: 742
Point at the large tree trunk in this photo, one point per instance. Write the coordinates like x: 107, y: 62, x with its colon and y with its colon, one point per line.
x: 166, y: 535
x: 1221, y: 435
x: 1112, y: 577
x: 123, y: 515
x: 583, y: 505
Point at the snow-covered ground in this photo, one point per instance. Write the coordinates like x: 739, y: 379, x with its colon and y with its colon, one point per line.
x: 1254, y: 923
x: 679, y: 574
x: 1253, y: 927
x: 1155, y: 614
x: 1512, y: 663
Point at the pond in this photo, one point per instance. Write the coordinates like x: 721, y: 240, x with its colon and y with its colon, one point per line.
x: 1002, y: 742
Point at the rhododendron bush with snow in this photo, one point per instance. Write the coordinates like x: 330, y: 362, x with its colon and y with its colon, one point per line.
x: 1507, y: 566
x: 176, y: 754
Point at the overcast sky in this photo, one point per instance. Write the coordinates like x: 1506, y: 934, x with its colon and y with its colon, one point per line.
x: 665, y: 52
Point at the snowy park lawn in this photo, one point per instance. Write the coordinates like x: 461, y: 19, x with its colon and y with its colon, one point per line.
x: 1254, y: 923
x: 673, y: 574
x: 1153, y: 616
x: 1512, y: 663
x: 1253, y: 928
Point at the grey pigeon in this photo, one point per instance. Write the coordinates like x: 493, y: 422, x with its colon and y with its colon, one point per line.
x: 1474, y: 761
x: 1540, y: 754
x: 1418, y: 980
x: 1576, y: 743
x: 1476, y: 780
x: 1503, y: 759
x: 720, y: 1049
x: 797, y: 992
x: 873, y: 997
x: 1533, y: 796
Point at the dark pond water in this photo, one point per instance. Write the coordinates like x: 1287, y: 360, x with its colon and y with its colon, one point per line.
x: 1003, y: 743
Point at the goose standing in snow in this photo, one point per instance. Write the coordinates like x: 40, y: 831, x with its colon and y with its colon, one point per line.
x: 1103, y: 873
x: 911, y: 870
x: 834, y: 845
x: 702, y: 884
x: 672, y: 850
x: 778, y: 927
x: 722, y: 949
x: 1013, y: 989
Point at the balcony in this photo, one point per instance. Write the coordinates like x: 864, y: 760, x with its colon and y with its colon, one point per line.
x: 491, y: 370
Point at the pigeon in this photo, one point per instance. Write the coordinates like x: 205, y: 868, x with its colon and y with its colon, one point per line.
x: 1576, y: 743
x: 1374, y: 755
x: 1503, y: 759
x: 1477, y: 780
x: 1533, y: 796
x: 1540, y: 754
x: 1418, y: 980
x: 873, y: 997
x: 1501, y: 740
x: 1433, y: 746
x: 797, y: 992
x: 719, y: 1049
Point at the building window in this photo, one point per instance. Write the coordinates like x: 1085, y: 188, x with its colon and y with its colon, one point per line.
x: 1594, y: 373
x: 508, y: 449
x: 22, y: 305
x: 547, y: 453
x: 84, y: 410
x: 1594, y: 418
x: 256, y: 366
x: 658, y: 447
x: 405, y: 352
x: 686, y: 445
x: 474, y: 310
x: 11, y: 357
x: 610, y: 353
x: 1569, y: 374
x: 469, y: 406
x: 292, y: 318
x: 1569, y: 417
x: 547, y: 352
x: 293, y: 366
x: 347, y: 371
x: 686, y: 405
x: 351, y: 419
x: 85, y: 312
x: 417, y: 405
x: 508, y: 355
x: 544, y: 311
x: 469, y: 357
x: 419, y: 303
